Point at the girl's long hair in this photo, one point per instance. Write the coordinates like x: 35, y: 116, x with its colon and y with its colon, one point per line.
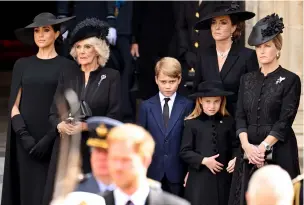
x: 198, y: 109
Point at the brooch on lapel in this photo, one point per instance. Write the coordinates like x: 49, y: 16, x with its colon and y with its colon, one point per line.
x: 221, y: 121
x: 280, y: 79
x: 102, y: 77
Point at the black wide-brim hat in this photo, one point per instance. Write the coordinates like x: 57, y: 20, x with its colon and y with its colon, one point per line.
x: 26, y: 34
x: 223, y: 8
x: 210, y: 89
x: 266, y: 29
x: 90, y: 27
x: 98, y: 128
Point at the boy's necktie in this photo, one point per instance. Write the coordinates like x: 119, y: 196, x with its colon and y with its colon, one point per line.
x: 166, y: 112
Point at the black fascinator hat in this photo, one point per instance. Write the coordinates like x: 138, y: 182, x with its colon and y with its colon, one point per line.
x: 266, y: 29
x: 90, y: 27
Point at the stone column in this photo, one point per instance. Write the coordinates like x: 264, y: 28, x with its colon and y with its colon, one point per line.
x: 292, y: 51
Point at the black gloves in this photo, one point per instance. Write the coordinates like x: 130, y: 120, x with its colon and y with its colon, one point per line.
x: 44, y: 147
x: 27, y: 141
x: 38, y: 151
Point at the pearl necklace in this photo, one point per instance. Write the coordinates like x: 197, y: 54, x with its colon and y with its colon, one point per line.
x: 222, y: 54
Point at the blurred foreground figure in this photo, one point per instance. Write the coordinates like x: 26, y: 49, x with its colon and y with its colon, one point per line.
x: 298, y: 189
x: 69, y: 164
x: 129, y: 155
x: 270, y: 185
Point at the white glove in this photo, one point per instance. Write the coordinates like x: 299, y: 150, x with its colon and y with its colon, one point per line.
x: 65, y: 35
x: 112, y: 36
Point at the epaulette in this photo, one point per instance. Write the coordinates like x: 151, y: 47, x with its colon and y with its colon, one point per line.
x: 83, y: 177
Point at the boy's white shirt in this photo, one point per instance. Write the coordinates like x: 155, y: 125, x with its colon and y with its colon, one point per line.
x: 170, y: 103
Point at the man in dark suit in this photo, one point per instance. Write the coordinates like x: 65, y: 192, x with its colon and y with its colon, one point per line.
x: 163, y: 116
x: 130, y: 153
x: 191, y: 42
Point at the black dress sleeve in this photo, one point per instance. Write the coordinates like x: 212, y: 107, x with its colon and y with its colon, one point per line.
x: 252, y: 63
x: 187, y: 152
x: 289, y: 108
x: 114, y: 108
x: 235, y: 141
x: 16, y: 83
x: 198, y: 74
x: 240, y: 116
x: 54, y: 117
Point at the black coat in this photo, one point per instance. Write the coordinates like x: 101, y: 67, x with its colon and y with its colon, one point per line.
x: 267, y: 105
x: 206, y: 136
x: 239, y: 61
x: 102, y: 94
x: 103, y: 98
x: 155, y: 197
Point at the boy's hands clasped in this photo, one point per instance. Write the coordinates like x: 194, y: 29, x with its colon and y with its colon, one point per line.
x: 215, y: 166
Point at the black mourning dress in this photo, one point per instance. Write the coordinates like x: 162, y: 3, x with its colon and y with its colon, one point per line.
x: 102, y: 94
x: 267, y: 105
x: 24, y: 176
x: 206, y: 136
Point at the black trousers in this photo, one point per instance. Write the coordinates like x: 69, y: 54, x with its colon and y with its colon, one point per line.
x: 173, y: 188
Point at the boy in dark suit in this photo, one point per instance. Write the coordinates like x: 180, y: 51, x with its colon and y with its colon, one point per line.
x: 163, y: 116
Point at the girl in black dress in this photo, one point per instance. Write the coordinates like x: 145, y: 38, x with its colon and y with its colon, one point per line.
x: 30, y: 136
x: 226, y: 60
x: 267, y: 106
x: 209, y: 146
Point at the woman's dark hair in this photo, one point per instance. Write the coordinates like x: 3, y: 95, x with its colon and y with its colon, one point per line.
x: 59, y: 40
x: 240, y: 26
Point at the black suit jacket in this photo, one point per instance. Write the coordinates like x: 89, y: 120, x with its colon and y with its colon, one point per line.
x: 239, y: 61
x: 155, y: 197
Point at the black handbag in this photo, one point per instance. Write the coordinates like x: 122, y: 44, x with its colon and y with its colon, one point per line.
x: 268, y: 155
x: 83, y: 113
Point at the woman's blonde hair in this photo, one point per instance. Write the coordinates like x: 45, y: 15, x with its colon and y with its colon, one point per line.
x: 198, y: 108
x: 100, y: 46
x: 278, y: 43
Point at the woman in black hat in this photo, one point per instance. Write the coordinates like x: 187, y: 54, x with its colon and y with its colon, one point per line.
x: 30, y: 136
x: 97, y: 86
x: 267, y: 106
x: 209, y: 146
x: 226, y: 60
